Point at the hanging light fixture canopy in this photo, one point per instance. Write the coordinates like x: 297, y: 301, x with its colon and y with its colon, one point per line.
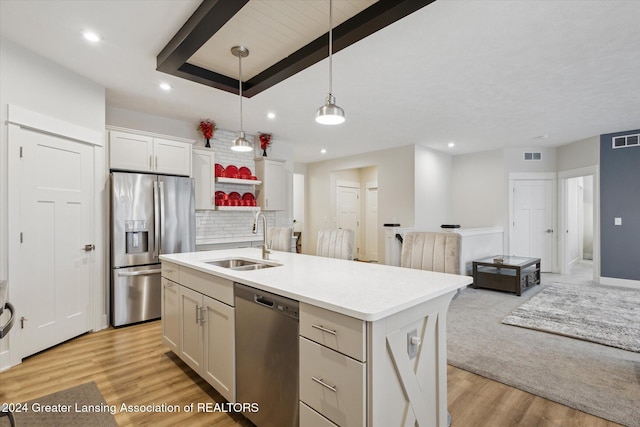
x: 240, y: 143
x: 330, y: 113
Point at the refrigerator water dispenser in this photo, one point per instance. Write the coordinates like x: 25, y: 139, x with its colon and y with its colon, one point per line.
x: 137, y: 236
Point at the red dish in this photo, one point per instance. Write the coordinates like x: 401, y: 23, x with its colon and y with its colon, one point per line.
x: 248, y: 196
x: 231, y: 171
x: 221, y: 195
x: 253, y: 177
x: 235, y: 196
x: 219, y: 170
x: 244, y: 172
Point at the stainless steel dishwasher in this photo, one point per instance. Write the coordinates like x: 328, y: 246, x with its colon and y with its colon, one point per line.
x: 267, y: 356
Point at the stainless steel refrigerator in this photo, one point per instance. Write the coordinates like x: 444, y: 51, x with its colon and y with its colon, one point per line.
x: 150, y: 215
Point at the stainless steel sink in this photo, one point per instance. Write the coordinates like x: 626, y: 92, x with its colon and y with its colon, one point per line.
x: 241, y: 264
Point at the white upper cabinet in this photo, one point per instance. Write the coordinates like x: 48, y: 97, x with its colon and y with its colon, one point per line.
x: 129, y: 151
x: 146, y: 153
x: 271, y: 195
x: 172, y: 157
x: 203, y: 174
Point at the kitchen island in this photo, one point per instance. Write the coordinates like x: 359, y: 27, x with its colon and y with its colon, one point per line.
x: 374, y: 335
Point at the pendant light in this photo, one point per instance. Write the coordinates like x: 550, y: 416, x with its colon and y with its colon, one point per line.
x: 330, y: 113
x: 240, y: 143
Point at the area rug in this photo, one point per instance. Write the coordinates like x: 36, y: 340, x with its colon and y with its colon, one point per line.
x: 77, y: 406
x: 593, y: 378
x: 601, y: 314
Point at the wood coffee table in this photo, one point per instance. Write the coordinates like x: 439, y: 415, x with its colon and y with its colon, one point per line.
x: 513, y: 274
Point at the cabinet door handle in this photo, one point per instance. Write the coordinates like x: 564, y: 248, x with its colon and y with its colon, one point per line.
x: 323, y: 329
x: 197, y: 314
x: 323, y: 384
x: 150, y: 162
x: 202, y: 315
x: 156, y: 162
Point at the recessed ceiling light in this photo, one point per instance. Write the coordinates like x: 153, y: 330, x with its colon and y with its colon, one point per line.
x: 165, y: 86
x: 451, y: 144
x: 91, y: 36
x: 323, y: 151
x: 271, y: 116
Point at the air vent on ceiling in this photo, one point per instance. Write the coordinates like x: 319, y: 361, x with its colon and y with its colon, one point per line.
x: 533, y: 156
x: 626, y: 141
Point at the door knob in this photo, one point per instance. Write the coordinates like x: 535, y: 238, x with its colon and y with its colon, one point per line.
x: 549, y: 230
x: 89, y: 247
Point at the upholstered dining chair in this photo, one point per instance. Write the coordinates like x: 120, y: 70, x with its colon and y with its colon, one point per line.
x: 279, y: 238
x: 336, y: 243
x: 433, y: 251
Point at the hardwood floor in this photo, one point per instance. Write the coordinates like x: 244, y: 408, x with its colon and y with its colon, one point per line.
x: 131, y: 365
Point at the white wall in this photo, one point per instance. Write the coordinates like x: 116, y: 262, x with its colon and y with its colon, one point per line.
x: 395, y: 191
x: 32, y: 82
x: 514, y: 160
x: 433, y: 184
x: 579, y: 154
x: 478, y: 191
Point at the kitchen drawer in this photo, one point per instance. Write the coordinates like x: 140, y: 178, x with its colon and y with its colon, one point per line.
x: 310, y: 418
x: 171, y: 271
x: 332, y: 384
x: 207, y: 284
x: 337, y: 331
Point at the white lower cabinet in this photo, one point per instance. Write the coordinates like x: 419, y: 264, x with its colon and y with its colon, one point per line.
x: 206, y: 328
x: 310, y: 418
x: 332, y: 384
x: 333, y: 372
x: 219, y: 344
x: 171, y: 314
x: 191, y: 329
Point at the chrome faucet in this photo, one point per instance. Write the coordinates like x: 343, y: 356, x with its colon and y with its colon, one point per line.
x: 265, y: 247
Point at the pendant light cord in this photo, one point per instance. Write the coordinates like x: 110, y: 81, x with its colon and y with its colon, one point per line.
x: 240, y: 86
x: 330, y: 47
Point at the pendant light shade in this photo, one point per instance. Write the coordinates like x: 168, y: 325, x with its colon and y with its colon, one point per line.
x: 240, y: 143
x: 330, y: 113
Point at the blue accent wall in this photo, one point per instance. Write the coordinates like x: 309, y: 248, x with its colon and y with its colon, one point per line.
x: 619, y: 198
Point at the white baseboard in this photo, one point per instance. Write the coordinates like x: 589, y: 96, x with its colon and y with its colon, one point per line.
x: 625, y: 283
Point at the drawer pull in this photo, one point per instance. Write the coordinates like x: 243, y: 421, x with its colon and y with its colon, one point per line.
x: 323, y: 329
x: 323, y: 384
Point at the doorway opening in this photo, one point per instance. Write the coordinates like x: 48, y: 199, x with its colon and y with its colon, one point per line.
x: 578, y: 219
x: 356, y: 202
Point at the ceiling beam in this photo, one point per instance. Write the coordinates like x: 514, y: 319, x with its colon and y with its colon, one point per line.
x: 209, y: 17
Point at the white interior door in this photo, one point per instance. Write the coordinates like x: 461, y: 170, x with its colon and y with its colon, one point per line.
x: 53, y: 278
x: 532, y: 228
x: 372, y: 223
x: 348, y: 206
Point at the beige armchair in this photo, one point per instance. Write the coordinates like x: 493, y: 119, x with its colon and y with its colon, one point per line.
x: 336, y: 243
x: 279, y: 238
x: 431, y: 251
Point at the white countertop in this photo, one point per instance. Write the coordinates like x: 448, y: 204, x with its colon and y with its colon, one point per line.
x: 365, y: 291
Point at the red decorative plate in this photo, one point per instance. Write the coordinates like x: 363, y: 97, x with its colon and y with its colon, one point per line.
x: 231, y: 171
x: 244, y: 172
x: 219, y: 170
x: 221, y: 195
x: 235, y: 196
x: 248, y: 196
